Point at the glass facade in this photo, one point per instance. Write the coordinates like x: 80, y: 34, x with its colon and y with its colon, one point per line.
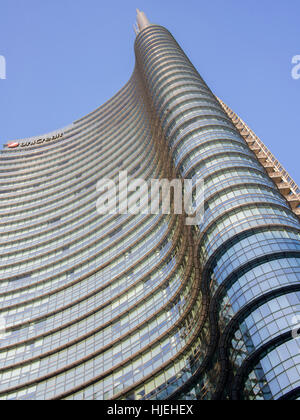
x: 142, y: 306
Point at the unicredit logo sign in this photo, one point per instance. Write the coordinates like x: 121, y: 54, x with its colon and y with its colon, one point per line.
x: 15, y: 144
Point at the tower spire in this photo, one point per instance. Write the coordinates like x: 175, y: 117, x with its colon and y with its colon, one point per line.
x: 142, y: 20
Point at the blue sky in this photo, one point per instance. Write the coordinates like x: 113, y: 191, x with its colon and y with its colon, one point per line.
x: 66, y: 57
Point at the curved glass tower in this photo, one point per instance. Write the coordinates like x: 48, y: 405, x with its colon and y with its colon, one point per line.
x: 142, y: 306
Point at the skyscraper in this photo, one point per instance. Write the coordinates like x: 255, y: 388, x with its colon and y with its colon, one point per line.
x: 142, y: 306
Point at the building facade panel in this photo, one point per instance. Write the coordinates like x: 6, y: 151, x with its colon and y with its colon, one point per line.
x: 142, y: 306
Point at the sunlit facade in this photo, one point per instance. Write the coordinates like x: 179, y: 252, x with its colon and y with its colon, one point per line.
x: 142, y: 306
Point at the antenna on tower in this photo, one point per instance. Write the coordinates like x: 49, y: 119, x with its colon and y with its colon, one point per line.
x: 142, y: 21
